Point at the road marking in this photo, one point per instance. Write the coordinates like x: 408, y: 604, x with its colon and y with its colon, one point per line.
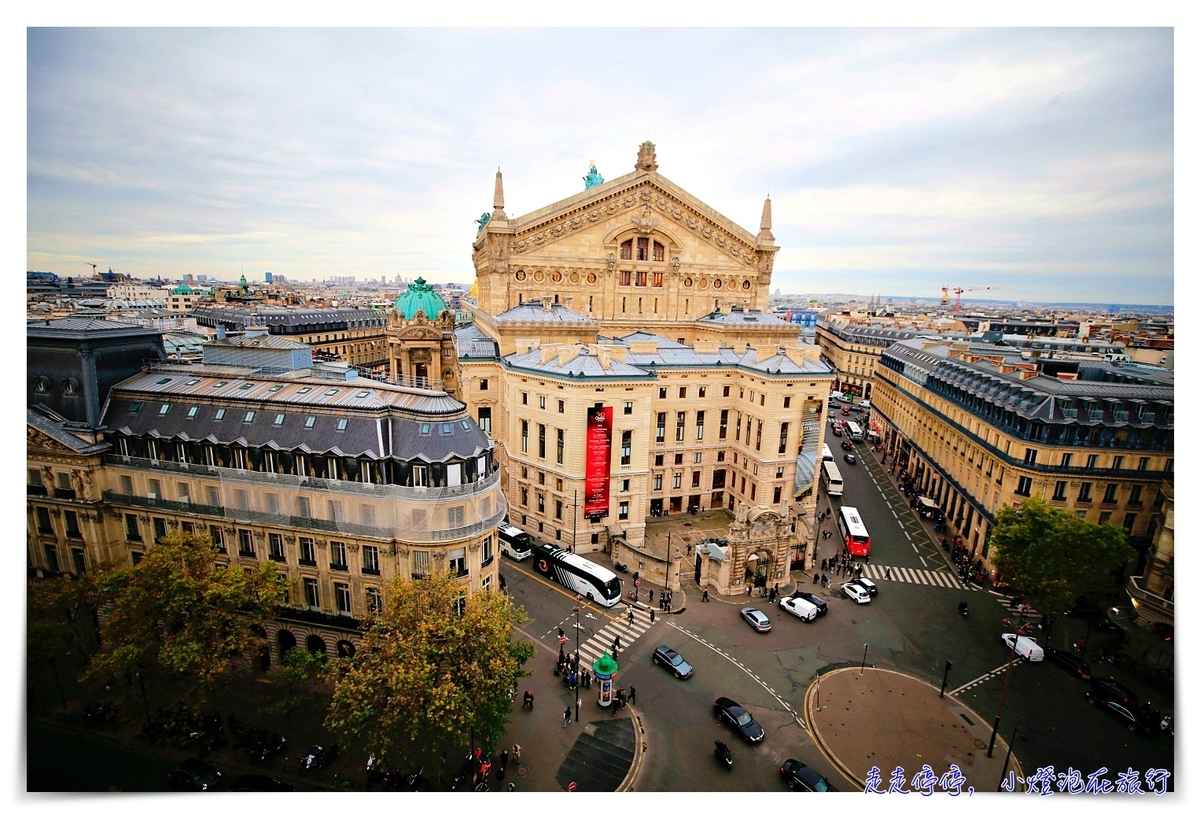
x: 922, y: 559
x: 991, y: 674
x: 914, y: 576
x: 738, y: 664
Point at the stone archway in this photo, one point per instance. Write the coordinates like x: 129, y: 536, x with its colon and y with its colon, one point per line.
x: 758, y: 568
x: 345, y: 649
x: 286, y: 640
x: 316, y: 644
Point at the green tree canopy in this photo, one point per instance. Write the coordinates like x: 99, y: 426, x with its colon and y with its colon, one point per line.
x: 1055, y: 556
x: 179, y: 616
x: 426, y: 674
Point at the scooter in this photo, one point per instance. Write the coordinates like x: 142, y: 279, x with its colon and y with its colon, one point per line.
x: 318, y: 757
x: 721, y: 751
x: 621, y: 567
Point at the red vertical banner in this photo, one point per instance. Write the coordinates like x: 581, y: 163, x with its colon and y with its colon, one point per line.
x: 599, y: 455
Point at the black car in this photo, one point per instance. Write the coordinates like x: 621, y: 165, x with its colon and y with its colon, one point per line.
x: 260, y: 783
x: 850, y: 458
x: 848, y: 445
x: 822, y: 605
x: 1110, y: 690
x: 1106, y: 625
x: 1137, y: 719
x: 800, y: 776
x: 672, y: 661
x: 194, y: 775
x: 732, y: 713
x: 1069, y: 662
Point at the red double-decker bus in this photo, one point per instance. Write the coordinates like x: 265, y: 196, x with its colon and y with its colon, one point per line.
x: 854, y: 533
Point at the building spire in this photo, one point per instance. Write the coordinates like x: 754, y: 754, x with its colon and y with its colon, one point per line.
x: 498, y: 199
x: 764, y: 226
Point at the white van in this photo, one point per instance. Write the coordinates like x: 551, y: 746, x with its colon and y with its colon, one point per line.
x: 1027, y: 647
x: 515, y: 543
x: 865, y: 405
x: 800, y: 607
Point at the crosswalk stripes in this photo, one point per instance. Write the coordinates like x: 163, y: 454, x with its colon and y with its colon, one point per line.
x: 916, y: 576
x: 601, y: 641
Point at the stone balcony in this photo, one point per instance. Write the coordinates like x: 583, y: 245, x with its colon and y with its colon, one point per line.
x: 1151, y: 608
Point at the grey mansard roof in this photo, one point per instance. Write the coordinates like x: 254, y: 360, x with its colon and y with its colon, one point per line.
x: 382, y: 420
x: 534, y: 311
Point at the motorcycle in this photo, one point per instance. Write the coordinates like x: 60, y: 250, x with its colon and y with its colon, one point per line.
x: 621, y: 567
x: 318, y: 757
x: 721, y: 751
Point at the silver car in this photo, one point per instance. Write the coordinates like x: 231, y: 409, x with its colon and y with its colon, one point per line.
x: 757, y: 619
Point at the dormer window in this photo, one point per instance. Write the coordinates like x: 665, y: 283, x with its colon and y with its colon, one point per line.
x: 341, y: 424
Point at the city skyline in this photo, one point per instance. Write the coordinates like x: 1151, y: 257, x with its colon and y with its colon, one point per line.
x: 1037, y: 161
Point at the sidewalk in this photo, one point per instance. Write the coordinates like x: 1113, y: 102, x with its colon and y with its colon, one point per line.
x: 885, y: 719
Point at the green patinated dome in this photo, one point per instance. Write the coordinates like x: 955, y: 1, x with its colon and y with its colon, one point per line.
x: 420, y: 296
x: 183, y: 289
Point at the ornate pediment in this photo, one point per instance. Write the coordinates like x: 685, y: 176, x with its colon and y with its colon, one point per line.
x: 645, y: 206
x: 419, y: 333
x: 37, y: 439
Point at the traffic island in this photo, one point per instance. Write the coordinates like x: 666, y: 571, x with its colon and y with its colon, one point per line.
x: 883, y: 719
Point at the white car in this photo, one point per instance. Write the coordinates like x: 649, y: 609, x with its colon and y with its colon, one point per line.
x: 856, y: 592
x: 1027, y: 647
x: 799, y: 607
x: 868, y: 586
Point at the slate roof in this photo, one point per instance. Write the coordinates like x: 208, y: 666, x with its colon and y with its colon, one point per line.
x: 584, y: 365
x: 534, y: 311
x: 738, y: 316
x: 57, y: 431
x: 473, y: 343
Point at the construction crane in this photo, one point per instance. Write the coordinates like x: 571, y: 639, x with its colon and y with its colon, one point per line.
x: 93, y: 266
x: 958, y: 291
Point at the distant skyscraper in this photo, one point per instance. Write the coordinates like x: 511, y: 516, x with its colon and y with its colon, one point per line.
x: 268, y: 277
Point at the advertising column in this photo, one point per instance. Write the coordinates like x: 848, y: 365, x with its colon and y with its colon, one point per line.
x: 598, y: 457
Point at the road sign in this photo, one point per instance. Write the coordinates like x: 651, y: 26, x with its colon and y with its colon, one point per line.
x: 562, y: 640
x: 637, y: 583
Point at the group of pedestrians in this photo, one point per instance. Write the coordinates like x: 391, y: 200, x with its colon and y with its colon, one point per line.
x: 841, y: 565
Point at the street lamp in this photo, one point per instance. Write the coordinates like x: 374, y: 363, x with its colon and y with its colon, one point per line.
x: 945, y: 676
x: 1007, y: 673
x: 1003, y: 772
x: 863, y: 669
x: 578, y: 660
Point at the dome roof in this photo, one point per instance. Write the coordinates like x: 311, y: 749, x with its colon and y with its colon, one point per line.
x: 183, y: 289
x: 420, y: 296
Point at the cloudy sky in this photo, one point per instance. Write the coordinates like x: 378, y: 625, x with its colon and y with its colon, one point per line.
x: 898, y: 160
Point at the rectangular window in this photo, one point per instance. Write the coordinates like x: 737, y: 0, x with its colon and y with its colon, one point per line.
x: 778, y: 494
x: 541, y: 401
x: 1143, y: 463
x: 758, y: 438
x: 787, y: 401
x: 487, y: 552
x: 217, y: 535
x: 455, y: 516
x: 725, y: 391
x: 160, y: 528
x: 1110, y: 493
x: 52, y: 559
x: 783, y: 434
x: 753, y: 491
x: 558, y: 506
x: 374, y: 601
x: 680, y: 424
x: 370, y: 559
x: 695, y: 479
x: 245, y: 543
x: 561, y: 445
x: 626, y: 447
x: 1117, y: 461
x: 525, y: 437
x: 677, y: 480
x: 420, y: 564
x: 341, y: 592
x: 723, y: 429
x: 626, y: 277
x: 1105, y: 516
x: 485, y: 418
x: 43, y: 520
x: 154, y: 489
x: 524, y: 496
x: 272, y: 502
x: 1085, y: 492
x: 524, y: 398
x: 541, y: 440
x: 658, y: 482
x: 1135, y: 496
x: 623, y: 511
x: 458, y: 561
x: 660, y: 429
x: 308, y: 551
x: 629, y: 407
x: 79, y: 560
x: 1130, y: 521
x: 483, y: 384
x: 662, y: 393
x: 658, y: 459
x: 1060, y: 490
x: 1066, y: 460
x: 1091, y: 461
x: 337, y: 555
x: 71, y: 522
x: 303, y: 507
x: 1031, y: 456
x: 275, y: 544
x: 420, y: 476
x: 700, y: 425
x: 1024, y: 486
x: 312, y: 596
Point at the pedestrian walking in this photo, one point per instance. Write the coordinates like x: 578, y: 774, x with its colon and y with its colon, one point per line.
x: 705, y: 597
x: 527, y: 703
x: 516, y: 753
x: 887, y: 574
x: 566, y: 717
x: 749, y: 590
x: 630, y: 616
x: 500, y: 776
x: 651, y: 617
x: 503, y: 584
x: 632, y: 694
x: 651, y: 594
x: 668, y: 607
x: 816, y: 579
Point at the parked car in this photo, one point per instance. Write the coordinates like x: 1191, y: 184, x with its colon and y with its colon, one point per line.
x: 756, y: 619
x: 733, y: 714
x: 672, y: 661
x: 259, y: 783
x: 850, y: 458
x: 1137, y: 719
x: 800, y: 776
x: 822, y: 605
x: 799, y: 607
x: 848, y: 445
x: 194, y: 775
x: 1101, y: 689
x: 1026, y: 646
x: 856, y: 592
x: 868, y: 586
x: 1106, y: 625
x: 1069, y: 662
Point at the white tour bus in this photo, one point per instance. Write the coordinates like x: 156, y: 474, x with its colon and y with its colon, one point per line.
x: 854, y: 430
x: 832, y: 478
x: 515, y: 543
x: 592, y: 581
x: 826, y: 453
